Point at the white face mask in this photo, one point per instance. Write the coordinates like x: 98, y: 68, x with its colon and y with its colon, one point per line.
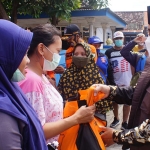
x: 141, y: 44
x: 147, y: 44
x: 51, y: 65
x: 17, y: 76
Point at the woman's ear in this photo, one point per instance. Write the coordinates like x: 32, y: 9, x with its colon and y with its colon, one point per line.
x: 40, y: 48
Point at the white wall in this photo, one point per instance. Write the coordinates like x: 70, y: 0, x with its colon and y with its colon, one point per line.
x: 108, y: 30
x: 99, y: 33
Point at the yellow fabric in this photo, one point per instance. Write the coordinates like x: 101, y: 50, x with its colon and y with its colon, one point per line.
x: 67, y: 139
x: 136, y: 48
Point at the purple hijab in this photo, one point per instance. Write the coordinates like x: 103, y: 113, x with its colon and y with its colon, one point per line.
x: 14, y: 42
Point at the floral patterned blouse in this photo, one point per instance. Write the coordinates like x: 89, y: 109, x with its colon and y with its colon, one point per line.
x: 44, y: 98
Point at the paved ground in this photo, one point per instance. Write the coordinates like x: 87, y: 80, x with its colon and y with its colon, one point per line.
x: 110, y: 119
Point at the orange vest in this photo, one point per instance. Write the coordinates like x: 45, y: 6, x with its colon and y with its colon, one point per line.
x: 80, y: 137
x: 69, y: 55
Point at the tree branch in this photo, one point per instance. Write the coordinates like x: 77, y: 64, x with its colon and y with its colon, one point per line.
x: 3, y: 14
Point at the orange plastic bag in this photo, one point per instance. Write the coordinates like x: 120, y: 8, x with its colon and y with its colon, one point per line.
x: 83, y: 136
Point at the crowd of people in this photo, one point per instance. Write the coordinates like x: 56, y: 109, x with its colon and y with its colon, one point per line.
x: 31, y: 108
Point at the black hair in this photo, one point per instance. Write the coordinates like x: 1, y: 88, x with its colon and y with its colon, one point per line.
x: 43, y: 34
x: 28, y: 28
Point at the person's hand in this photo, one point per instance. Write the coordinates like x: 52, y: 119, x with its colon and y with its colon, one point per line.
x: 59, y: 70
x: 140, y: 39
x: 107, y: 136
x: 101, y: 88
x: 85, y: 114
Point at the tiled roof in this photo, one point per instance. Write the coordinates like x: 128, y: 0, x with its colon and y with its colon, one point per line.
x: 135, y: 20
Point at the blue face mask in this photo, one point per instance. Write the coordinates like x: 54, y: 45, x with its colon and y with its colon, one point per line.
x: 118, y: 43
x: 17, y: 76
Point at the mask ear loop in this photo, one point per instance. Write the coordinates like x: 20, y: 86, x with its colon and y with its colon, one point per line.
x: 49, y: 50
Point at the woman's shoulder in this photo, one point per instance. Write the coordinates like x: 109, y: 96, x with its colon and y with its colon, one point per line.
x: 30, y: 75
x: 32, y: 82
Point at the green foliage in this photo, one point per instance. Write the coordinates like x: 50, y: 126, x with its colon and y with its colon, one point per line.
x: 94, y: 4
x: 58, y: 9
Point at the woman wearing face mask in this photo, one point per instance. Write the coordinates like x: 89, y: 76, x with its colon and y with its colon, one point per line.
x: 82, y: 73
x: 47, y: 102
x: 20, y: 129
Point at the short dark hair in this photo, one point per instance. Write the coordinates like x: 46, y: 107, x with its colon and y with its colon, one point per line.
x: 28, y: 28
x: 43, y: 34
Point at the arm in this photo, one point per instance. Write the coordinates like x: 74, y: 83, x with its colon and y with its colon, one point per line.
x: 10, y: 136
x: 51, y: 129
x: 136, y: 135
x: 128, y: 55
x: 110, y: 74
x: 82, y: 115
x: 121, y: 95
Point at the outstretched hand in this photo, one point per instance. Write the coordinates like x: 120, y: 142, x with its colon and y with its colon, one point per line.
x: 101, y: 88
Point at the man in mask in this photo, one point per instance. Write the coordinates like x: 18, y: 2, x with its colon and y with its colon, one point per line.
x: 73, y: 36
x: 103, y: 63
x: 140, y: 45
x: 122, y: 75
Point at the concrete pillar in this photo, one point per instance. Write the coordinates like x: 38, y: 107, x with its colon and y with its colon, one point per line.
x: 91, y: 30
x: 113, y: 29
x: 90, y: 21
x: 104, y: 27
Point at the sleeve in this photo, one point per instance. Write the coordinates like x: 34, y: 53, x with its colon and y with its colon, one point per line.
x: 10, y: 136
x: 93, y: 50
x: 136, y: 135
x: 107, y: 53
x: 131, y: 57
x: 36, y: 99
x: 110, y: 74
x: 121, y: 95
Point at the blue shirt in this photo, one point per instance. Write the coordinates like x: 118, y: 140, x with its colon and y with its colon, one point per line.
x: 102, y: 63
